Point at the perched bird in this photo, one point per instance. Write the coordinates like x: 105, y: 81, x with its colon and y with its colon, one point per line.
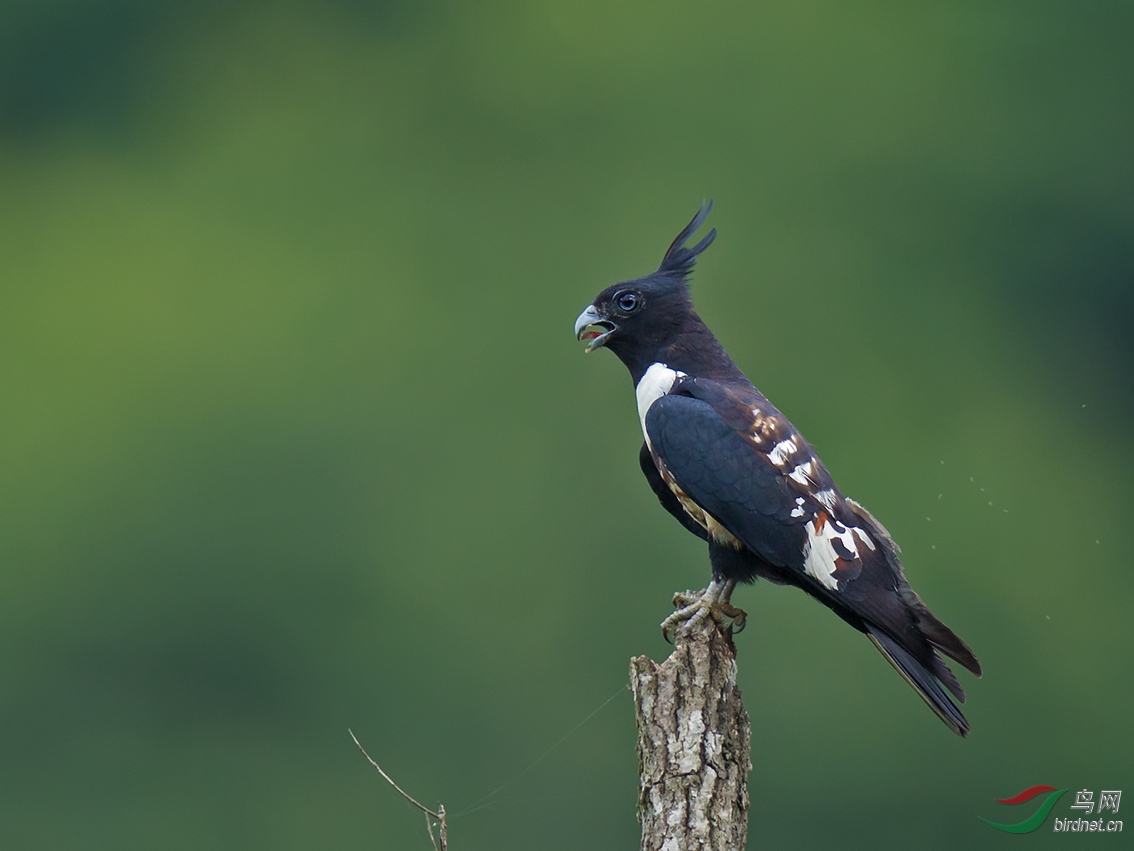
x: 735, y: 472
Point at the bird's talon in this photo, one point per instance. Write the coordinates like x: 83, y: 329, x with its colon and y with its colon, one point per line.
x: 681, y: 599
x: 693, y: 609
x: 738, y: 616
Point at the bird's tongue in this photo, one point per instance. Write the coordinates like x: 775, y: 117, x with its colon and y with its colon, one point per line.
x: 592, y: 331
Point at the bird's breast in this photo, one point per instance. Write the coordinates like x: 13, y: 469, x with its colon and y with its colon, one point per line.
x: 656, y: 382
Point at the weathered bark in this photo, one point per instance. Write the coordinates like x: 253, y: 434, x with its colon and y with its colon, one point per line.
x: 693, y: 745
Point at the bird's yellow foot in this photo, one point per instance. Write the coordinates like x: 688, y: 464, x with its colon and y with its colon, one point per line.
x: 694, y: 608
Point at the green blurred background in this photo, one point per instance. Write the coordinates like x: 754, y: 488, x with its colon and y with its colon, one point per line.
x: 295, y: 436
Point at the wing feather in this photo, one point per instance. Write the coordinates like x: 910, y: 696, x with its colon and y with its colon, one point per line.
x: 724, y: 451
x: 722, y: 474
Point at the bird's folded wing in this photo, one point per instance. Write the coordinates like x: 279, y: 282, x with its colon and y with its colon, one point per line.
x: 668, y: 499
x: 727, y: 477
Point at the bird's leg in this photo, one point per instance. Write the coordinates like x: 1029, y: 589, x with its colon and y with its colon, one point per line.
x: 714, y: 602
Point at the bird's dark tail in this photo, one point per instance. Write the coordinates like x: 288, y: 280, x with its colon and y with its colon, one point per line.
x: 937, y: 634
x: 918, y: 661
x: 925, y: 682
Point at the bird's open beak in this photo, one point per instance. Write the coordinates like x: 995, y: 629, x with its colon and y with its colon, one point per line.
x: 593, y: 328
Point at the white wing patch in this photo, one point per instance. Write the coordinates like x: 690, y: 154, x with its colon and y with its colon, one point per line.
x: 798, y: 510
x: 802, y: 473
x: 862, y: 536
x: 782, y: 451
x: 655, y: 383
x: 827, y: 498
x: 819, y: 553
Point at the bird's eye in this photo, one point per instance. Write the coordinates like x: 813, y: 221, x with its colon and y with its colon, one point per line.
x: 628, y: 302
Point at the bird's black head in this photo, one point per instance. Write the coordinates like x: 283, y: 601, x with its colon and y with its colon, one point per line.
x: 638, y: 319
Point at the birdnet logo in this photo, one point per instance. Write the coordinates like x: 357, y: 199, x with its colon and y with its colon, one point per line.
x: 1085, y: 802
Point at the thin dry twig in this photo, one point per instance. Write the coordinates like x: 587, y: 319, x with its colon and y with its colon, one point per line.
x: 438, y: 814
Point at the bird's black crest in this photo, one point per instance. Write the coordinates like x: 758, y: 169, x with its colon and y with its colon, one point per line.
x: 678, y: 259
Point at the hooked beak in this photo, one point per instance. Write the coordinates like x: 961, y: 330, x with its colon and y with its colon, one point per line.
x: 592, y: 327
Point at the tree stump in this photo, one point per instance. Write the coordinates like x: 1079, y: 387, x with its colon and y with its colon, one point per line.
x: 693, y: 745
